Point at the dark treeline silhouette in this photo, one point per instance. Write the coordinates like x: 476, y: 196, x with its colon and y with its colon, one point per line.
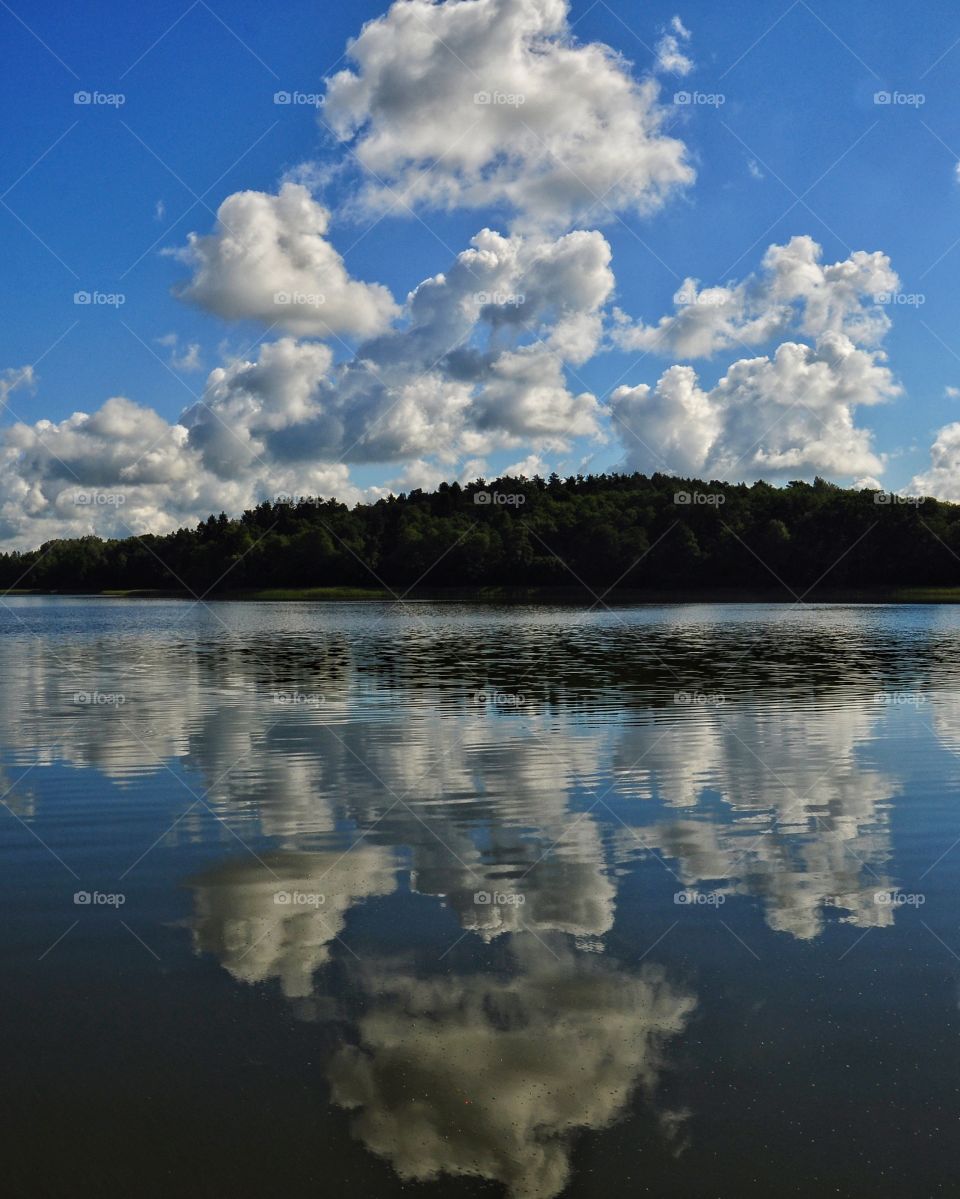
x: 640, y: 532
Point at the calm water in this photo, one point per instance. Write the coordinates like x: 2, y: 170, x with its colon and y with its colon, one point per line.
x: 453, y: 901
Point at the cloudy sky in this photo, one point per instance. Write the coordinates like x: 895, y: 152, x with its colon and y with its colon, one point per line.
x: 366, y: 248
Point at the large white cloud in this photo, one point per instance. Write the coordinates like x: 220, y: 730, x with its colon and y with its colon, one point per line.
x: 942, y: 477
x: 475, y: 364
x: 269, y: 259
x: 124, y: 469
x: 473, y: 104
x: 790, y: 413
x: 493, y: 102
x: 793, y: 291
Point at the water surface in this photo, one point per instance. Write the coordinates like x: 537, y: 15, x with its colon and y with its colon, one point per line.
x: 438, y: 900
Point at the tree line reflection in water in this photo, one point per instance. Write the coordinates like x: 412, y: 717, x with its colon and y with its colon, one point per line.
x: 516, y: 770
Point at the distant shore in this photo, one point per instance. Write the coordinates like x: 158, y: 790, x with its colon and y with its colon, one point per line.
x: 534, y: 595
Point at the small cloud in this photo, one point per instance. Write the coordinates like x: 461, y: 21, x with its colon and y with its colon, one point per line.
x: 670, y: 56
x: 952, y: 393
x: 754, y: 169
x: 14, y: 377
x: 956, y: 171
x: 532, y: 465
x: 159, y: 210
x: 314, y: 176
x: 189, y: 360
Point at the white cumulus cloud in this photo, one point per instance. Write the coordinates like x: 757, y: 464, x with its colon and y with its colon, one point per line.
x: 942, y: 477
x: 793, y: 291
x: 789, y: 414
x: 494, y: 102
x: 475, y: 364
x: 269, y: 259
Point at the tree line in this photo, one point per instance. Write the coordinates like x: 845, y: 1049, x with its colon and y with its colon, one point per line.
x: 627, y: 531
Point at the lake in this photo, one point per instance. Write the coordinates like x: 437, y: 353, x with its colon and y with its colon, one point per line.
x: 449, y: 900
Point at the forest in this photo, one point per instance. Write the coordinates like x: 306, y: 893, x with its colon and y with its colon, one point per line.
x: 620, y: 532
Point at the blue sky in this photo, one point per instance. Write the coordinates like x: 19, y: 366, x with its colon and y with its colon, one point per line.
x: 94, y: 194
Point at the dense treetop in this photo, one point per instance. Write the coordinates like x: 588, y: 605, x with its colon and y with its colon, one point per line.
x: 632, y: 531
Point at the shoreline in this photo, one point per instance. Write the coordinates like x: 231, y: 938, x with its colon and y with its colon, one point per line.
x: 522, y: 596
